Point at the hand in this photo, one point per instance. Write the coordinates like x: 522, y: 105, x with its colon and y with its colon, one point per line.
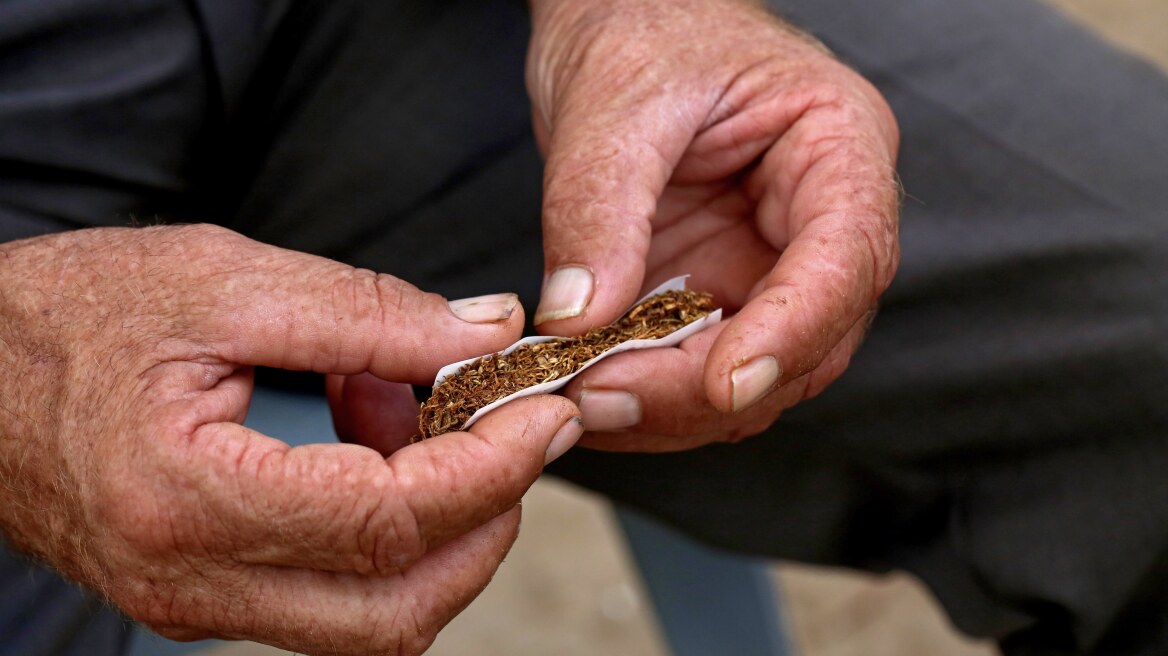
x: 128, y: 360
x: 708, y: 137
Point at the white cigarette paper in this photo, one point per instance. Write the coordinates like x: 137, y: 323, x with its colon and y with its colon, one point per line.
x: 672, y: 339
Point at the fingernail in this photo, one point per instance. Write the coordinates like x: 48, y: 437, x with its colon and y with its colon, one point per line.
x: 484, y: 309
x: 565, y: 295
x: 564, y: 439
x: 609, y: 410
x: 753, y: 380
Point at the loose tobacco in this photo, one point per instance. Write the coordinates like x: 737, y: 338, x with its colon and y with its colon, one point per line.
x: 493, y: 377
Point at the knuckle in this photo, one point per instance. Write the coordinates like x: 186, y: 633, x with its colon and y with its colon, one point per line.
x: 174, y: 611
x: 157, y: 558
x: 355, y: 294
x: 877, y: 252
x: 135, y: 519
x: 884, y: 245
x: 370, y: 297
x: 155, y: 606
x: 577, y: 189
x: 401, y: 631
x: 363, y: 303
x: 204, y: 241
x: 206, y: 232
x: 412, y: 640
x: 390, y: 537
x: 393, y: 295
x: 854, y: 270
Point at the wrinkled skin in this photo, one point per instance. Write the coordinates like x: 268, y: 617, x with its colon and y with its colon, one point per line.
x: 128, y: 359
x: 689, y: 136
x: 707, y: 137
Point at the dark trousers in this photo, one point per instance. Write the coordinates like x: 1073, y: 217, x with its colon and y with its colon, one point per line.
x: 1003, y: 433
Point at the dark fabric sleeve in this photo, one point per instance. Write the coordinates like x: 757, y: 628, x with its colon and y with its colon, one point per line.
x: 42, y: 615
x: 101, y: 109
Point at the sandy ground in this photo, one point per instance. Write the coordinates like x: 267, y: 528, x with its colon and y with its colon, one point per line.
x: 568, y: 587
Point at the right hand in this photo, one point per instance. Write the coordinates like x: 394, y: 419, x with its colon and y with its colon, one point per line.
x: 127, y: 357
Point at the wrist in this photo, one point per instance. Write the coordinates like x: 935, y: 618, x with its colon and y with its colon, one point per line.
x: 40, y: 467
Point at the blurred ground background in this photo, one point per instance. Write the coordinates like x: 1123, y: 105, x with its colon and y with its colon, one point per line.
x: 568, y: 587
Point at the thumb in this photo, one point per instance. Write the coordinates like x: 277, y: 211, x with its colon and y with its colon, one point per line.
x: 291, y: 310
x: 605, y: 172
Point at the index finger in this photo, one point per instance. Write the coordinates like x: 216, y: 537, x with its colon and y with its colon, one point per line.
x: 345, y: 508
x: 834, y: 201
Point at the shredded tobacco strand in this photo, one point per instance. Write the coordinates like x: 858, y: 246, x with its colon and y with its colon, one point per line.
x: 492, y: 377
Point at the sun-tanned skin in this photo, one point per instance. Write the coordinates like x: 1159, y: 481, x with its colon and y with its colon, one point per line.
x: 688, y: 136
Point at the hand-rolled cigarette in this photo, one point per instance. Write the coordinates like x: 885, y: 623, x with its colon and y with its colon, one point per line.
x: 466, y: 390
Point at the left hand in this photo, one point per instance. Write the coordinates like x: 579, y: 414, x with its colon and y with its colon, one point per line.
x: 708, y: 137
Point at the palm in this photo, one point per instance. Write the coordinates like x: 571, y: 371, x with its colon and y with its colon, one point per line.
x: 709, y: 231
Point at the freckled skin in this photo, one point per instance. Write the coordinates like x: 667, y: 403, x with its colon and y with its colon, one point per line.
x: 690, y: 136
x: 765, y: 170
x: 122, y: 463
